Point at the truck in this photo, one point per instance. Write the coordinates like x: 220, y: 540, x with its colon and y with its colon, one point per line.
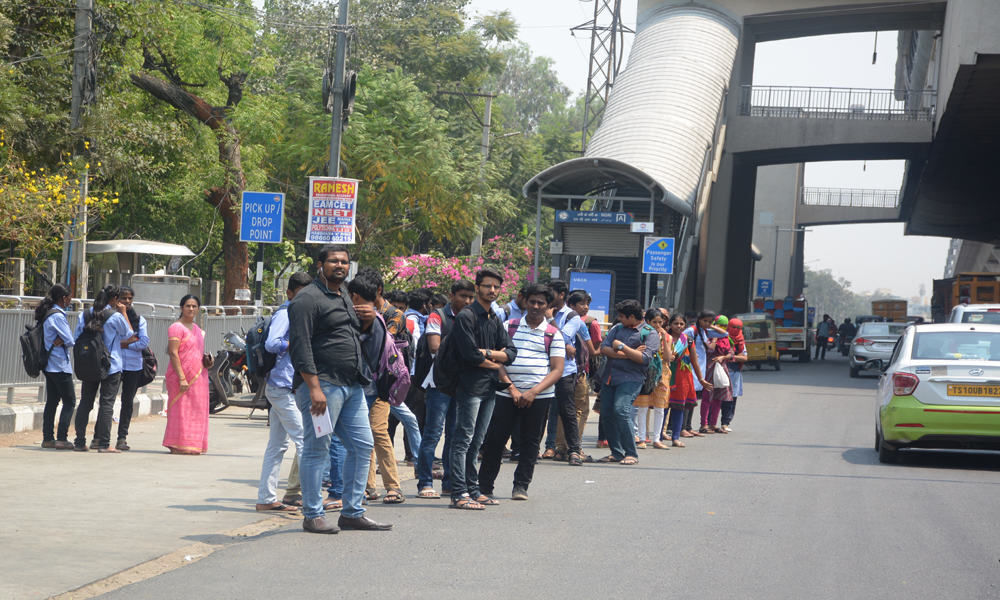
x: 790, y: 317
x: 964, y: 288
x: 890, y: 309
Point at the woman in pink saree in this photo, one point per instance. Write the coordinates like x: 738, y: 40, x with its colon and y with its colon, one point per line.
x: 187, y: 383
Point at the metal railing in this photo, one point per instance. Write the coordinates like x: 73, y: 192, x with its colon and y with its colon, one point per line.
x: 851, y: 198
x: 18, y: 311
x: 789, y: 102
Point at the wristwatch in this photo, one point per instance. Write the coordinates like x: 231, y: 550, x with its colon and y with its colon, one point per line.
x: 619, y: 346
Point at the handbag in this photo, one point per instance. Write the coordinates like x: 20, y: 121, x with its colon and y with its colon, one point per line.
x: 720, y: 379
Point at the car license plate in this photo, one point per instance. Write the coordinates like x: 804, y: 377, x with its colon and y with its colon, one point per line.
x: 989, y: 391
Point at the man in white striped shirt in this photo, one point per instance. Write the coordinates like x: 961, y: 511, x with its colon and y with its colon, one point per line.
x: 531, y: 380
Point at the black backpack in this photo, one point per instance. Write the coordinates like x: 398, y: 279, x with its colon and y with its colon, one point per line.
x: 34, y: 355
x: 260, y: 362
x: 91, y: 358
x: 148, y: 367
x: 425, y: 362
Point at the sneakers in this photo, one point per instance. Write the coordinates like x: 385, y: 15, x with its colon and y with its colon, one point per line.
x: 519, y: 493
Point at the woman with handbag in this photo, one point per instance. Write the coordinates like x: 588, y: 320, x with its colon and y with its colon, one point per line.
x: 719, y: 352
x: 657, y: 400
x: 132, y: 351
x: 187, y: 383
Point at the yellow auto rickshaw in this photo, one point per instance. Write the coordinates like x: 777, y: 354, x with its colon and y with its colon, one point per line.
x: 762, y: 345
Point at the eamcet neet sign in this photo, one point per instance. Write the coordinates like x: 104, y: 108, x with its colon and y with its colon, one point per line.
x: 333, y: 206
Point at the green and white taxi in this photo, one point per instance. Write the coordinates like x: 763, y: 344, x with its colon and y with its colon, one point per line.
x: 940, y: 388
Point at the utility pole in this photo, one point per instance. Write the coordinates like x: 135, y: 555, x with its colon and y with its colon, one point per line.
x: 74, y: 260
x: 337, y: 128
x: 486, y: 122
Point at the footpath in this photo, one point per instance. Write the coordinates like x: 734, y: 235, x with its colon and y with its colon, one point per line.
x: 75, y: 518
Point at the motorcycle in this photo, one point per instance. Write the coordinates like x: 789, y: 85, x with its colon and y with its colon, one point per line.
x: 845, y: 344
x: 229, y: 384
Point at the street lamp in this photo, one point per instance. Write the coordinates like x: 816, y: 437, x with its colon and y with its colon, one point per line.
x: 774, y: 270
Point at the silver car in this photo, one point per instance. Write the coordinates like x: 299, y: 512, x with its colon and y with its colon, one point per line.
x: 874, y: 341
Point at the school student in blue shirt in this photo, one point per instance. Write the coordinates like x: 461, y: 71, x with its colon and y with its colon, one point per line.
x: 131, y: 364
x: 116, y: 329
x: 58, y: 339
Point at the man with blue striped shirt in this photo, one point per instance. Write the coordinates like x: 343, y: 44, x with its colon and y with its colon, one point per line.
x: 285, y: 418
x: 531, y: 380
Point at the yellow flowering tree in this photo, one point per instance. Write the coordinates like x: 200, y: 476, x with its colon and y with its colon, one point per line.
x: 37, y: 205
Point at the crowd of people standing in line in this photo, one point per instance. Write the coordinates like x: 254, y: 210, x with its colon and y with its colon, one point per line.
x: 481, y: 375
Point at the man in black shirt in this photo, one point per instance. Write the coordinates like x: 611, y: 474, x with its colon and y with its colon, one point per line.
x: 480, y: 344
x: 324, y: 343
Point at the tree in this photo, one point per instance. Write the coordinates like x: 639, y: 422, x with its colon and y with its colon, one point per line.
x: 833, y: 295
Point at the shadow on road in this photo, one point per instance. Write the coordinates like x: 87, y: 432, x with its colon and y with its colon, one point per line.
x: 929, y: 459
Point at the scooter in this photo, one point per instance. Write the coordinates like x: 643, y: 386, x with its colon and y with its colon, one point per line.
x: 229, y: 384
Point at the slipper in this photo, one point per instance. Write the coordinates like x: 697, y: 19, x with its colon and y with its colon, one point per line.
x: 686, y: 434
x: 629, y: 460
x: 678, y: 444
x: 428, y: 493
x: 372, y: 495
x: 393, y: 497
x: 697, y: 434
x: 487, y: 501
x: 291, y: 502
x: 466, y: 503
x: 548, y: 454
x: 333, y: 505
x: 276, y: 506
x: 609, y: 459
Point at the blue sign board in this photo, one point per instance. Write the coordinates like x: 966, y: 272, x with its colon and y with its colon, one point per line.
x: 598, y: 285
x: 658, y: 256
x: 765, y: 288
x: 593, y: 217
x: 262, y: 216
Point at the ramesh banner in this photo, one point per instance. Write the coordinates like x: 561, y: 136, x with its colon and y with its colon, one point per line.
x: 333, y: 204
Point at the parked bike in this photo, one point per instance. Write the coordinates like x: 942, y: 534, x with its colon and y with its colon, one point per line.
x: 229, y: 384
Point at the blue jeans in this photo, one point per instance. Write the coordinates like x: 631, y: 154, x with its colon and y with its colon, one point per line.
x: 337, y: 456
x: 409, y: 421
x: 616, y: 413
x: 439, y: 419
x: 285, y: 425
x: 472, y: 419
x: 349, y: 414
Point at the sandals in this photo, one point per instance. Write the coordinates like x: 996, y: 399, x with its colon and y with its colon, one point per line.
x: 697, y: 434
x: 678, y: 444
x: 428, y: 492
x: 686, y: 433
x: 372, y: 495
x: 393, y: 497
x: 290, y: 502
x: 705, y: 430
x: 276, y: 507
x: 575, y: 460
x: 548, y: 454
x: 487, y: 501
x: 629, y: 460
x: 559, y: 456
x: 466, y: 503
x: 333, y: 505
x: 660, y: 446
x: 640, y: 445
x: 611, y: 458
x: 719, y: 430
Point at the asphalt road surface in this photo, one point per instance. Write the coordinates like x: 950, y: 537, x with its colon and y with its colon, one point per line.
x: 792, y: 504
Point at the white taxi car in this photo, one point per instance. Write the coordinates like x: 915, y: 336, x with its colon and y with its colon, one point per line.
x: 940, y: 388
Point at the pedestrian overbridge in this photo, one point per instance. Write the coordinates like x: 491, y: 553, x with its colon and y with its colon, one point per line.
x: 839, y: 206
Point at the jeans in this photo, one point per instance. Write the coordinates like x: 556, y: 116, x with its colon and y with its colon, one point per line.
x: 378, y: 415
x: 285, y: 424
x: 411, y: 426
x: 472, y: 418
x: 564, y: 407
x: 415, y: 405
x: 505, y: 415
x: 338, y: 454
x: 349, y: 415
x: 130, y: 385
x: 105, y: 409
x: 440, y: 418
x: 616, y: 412
x: 58, y: 388
x: 728, y: 410
x: 581, y: 398
x: 676, y: 419
x: 688, y: 417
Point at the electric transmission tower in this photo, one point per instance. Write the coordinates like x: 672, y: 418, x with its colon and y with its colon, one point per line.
x: 607, y: 37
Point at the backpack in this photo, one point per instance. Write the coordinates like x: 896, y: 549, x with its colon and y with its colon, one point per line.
x: 91, y: 357
x: 148, y: 367
x: 424, y: 360
x: 655, y: 369
x: 550, y: 332
x: 34, y: 354
x: 392, y: 380
x: 259, y: 360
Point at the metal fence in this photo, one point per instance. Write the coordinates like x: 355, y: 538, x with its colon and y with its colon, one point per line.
x: 852, y: 198
x: 789, y: 102
x: 18, y: 311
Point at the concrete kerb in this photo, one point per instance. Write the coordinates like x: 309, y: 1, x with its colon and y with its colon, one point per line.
x: 15, y: 418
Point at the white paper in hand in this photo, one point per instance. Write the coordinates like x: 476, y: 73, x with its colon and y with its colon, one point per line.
x: 322, y: 424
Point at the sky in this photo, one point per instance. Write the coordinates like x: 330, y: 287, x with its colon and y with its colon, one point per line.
x: 869, y: 256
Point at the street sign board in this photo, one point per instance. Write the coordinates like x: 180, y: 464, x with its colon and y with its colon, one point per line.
x: 333, y: 205
x: 593, y: 217
x: 765, y: 288
x: 642, y: 227
x: 658, y: 256
x: 600, y: 286
x: 262, y: 217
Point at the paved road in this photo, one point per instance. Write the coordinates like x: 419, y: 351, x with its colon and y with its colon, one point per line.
x: 793, y: 504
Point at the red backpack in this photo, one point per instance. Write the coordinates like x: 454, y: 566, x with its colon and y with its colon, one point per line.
x: 550, y: 332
